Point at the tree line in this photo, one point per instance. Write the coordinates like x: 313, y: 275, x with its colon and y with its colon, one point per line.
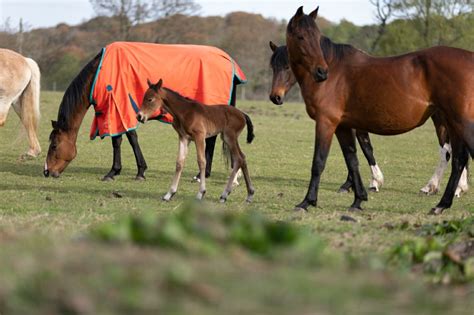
x: 402, y: 26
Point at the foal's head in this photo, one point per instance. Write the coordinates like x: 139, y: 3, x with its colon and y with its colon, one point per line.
x: 283, y: 77
x: 152, y: 101
x: 62, y: 150
x: 303, y: 40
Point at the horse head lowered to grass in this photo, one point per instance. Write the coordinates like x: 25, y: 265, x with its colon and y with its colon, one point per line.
x: 113, y: 83
x: 344, y: 88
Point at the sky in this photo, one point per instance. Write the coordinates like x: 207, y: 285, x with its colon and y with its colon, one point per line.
x: 46, y: 13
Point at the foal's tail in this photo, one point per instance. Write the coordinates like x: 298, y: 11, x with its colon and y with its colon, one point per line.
x: 30, y: 107
x: 250, y: 134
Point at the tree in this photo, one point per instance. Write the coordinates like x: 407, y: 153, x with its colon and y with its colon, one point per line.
x: 384, y: 10
x: 432, y: 15
x: 133, y: 12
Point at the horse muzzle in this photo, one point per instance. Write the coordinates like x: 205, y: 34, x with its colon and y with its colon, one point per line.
x: 320, y: 74
x: 141, y: 118
x: 276, y: 99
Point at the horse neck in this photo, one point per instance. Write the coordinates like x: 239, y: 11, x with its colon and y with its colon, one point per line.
x: 175, y: 104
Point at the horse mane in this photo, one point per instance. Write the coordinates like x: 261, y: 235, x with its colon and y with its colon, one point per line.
x: 279, y: 58
x: 183, y: 98
x: 75, y: 91
x: 334, y: 51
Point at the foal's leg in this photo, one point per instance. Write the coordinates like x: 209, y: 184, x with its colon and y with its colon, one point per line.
x: 458, y: 163
x: 182, y: 152
x: 139, y: 158
x: 347, y: 143
x: 201, y: 159
x: 117, y: 162
x: 236, y: 166
x: 377, y: 177
x: 210, y: 146
x: 324, y: 133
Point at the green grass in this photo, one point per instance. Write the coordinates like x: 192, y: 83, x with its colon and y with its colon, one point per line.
x: 44, y: 269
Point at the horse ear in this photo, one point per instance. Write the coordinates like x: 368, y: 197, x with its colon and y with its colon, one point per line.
x: 273, y: 46
x: 314, y: 14
x: 159, y: 84
x: 299, y: 12
x: 54, y: 124
x: 149, y: 83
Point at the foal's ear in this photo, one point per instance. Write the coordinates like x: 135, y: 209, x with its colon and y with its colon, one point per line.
x: 273, y: 46
x: 159, y: 84
x: 150, y: 85
x: 314, y: 14
x: 54, y: 123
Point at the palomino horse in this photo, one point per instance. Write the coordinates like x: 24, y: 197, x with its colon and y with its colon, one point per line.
x: 194, y: 121
x: 284, y: 80
x: 78, y: 98
x: 20, y: 87
x: 344, y: 88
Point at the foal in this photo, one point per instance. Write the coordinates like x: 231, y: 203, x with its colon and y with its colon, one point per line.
x: 194, y: 121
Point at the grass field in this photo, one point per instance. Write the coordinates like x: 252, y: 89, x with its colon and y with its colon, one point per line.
x: 45, y: 270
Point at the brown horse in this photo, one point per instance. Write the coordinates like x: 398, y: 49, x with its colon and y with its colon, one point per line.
x: 284, y: 79
x: 344, y: 88
x: 194, y: 121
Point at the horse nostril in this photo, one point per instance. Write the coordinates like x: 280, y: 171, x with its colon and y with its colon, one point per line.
x: 276, y: 99
x: 46, y: 173
x: 139, y: 117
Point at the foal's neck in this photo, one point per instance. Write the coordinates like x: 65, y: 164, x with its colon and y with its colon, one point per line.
x: 176, y: 104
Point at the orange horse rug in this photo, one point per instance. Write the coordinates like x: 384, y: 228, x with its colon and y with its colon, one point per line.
x: 205, y: 74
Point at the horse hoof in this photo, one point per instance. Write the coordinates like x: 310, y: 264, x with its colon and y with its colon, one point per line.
x: 298, y: 209
x: 140, y: 178
x: 200, y: 195
x: 249, y: 199
x: 343, y: 190
x: 355, y: 209
x: 108, y: 179
x: 436, y: 211
x: 373, y: 189
x: 222, y: 200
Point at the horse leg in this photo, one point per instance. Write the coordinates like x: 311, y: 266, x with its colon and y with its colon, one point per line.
x: 237, y: 161
x: 182, y: 152
x: 458, y: 163
x: 348, y: 147
x: 210, y: 146
x: 432, y: 186
x: 323, y: 137
x: 376, y: 181
x: 30, y: 121
x: 200, y: 142
x: 117, y: 162
x: 245, y: 171
x: 139, y: 158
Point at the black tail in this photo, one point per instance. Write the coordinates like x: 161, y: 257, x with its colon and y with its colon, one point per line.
x: 250, y: 134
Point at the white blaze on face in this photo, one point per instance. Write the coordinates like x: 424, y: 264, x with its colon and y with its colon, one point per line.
x: 46, y: 165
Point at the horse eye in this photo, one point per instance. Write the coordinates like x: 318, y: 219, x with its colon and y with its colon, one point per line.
x: 150, y: 100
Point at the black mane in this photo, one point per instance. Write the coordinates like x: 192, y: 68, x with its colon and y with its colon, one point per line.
x: 75, y: 91
x: 333, y: 51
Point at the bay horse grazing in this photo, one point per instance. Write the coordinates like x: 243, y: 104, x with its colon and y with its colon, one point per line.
x: 284, y: 79
x: 20, y: 88
x: 194, y: 121
x: 109, y: 83
x: 344, y: 88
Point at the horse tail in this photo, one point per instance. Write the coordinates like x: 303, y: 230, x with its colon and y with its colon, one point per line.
x: 250, y: 134
x: 30, y: 107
